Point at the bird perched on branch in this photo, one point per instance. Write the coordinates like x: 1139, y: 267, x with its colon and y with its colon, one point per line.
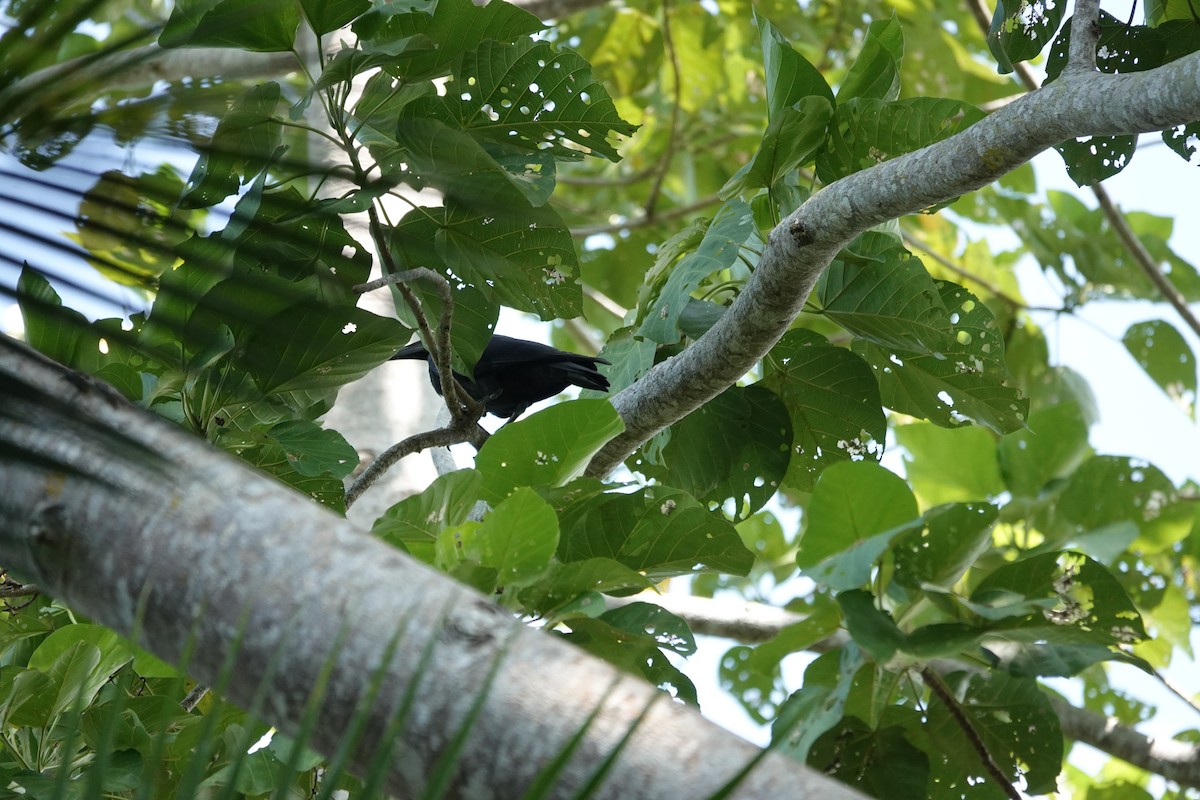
x: 513, y: 374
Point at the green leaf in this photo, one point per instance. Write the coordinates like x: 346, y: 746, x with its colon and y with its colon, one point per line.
x: 523, y: 258
x: 790, y: 77
x: 270, y: 457
x: 1013, y: 719
x: 50, y: 328
x: 631, y: 357
x: 548, y: 448
x: 949, y: 543
x: 851, y: 503
x: 1167, y: 358
x: 819, y: 704
x: 246, y: 139
x: 1091, y: 159
x: 885, y: 297
x: 26, y: 697
x: 833, y: 400
x: 565, y: 583
x: 874, y: 630
x: 517, y: 539
x: 791, y: 139
x: 881, y: 762
x: 326, y: 16
x: 967, y: 382
x: 671, y: 632
x: 453, y: 162
x: 417, y: 520
x: 454, y: 27
x: 1052, y: 447
x: 732, y: 226
x: 732, y: 451
x: 658, y: 531
x: 950, y: 465
x: 318, y: 348
x: 531, y: 95
x: 1107, y: 490
x: 867, y: 131
x: 264, y: 26
x: 634, y: 649
x: 313, y: 450
x: 875, y: 72
x: 1085, y: 615
x: 1020, y: 29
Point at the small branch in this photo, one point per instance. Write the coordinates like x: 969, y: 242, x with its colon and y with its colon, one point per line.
x: 1085, y: 34
x: 193, y: 698
x: 643, y: 222
x: 1142, y: 257
x: 676, y: 101
x: 1174, y: 689
x: 455, y: 433
x: 935, y: 684
x: 917, y: 244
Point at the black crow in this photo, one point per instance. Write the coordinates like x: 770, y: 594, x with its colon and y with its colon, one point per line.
x: 513, y: 374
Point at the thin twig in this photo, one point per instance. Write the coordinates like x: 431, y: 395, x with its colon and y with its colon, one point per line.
x: 643, y: 222
x: 935, y: 684
x: 676, y: 100
x: 917, y: 244
x: 1174, y: 689
x: 1142, y: 257
x: 457, y: 432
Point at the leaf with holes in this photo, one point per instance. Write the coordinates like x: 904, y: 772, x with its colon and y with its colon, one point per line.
x: 733, y: 449
x: 1167, y: 358
x: 531, y: 95
x: 967, y: 382
x: 834, y: 404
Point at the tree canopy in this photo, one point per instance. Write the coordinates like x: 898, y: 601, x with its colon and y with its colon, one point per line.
x: 774, y: 219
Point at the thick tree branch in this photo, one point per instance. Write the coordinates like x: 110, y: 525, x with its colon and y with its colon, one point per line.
x: 139, y: 525
x: 802, y: 246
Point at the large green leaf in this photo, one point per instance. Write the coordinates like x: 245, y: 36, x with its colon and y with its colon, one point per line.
x: 1167, y: 358
x: 548, y: 448
x: 267, y: 26
x: 789, y: 75
x: 245, y: 141
x: 867, y: 131
x: 967, y: 382
x: 949, y: 465
x: 534, y: 96
x: 882, y: 294
x: 857, y: 508
x: 791, y: 139
x: 875, y: 72
x: 417, y: 520
x: 453, y: 27
x: 834, y: 404
x: 523, y: 258
x: 316, y: 348
x: 1054, y: 444
x: 729, y: 230
x: 1014, y: 721
x: 658, y: 531
x: 733, y: 451
x: 1085, y: 615
x: 517, y: 540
